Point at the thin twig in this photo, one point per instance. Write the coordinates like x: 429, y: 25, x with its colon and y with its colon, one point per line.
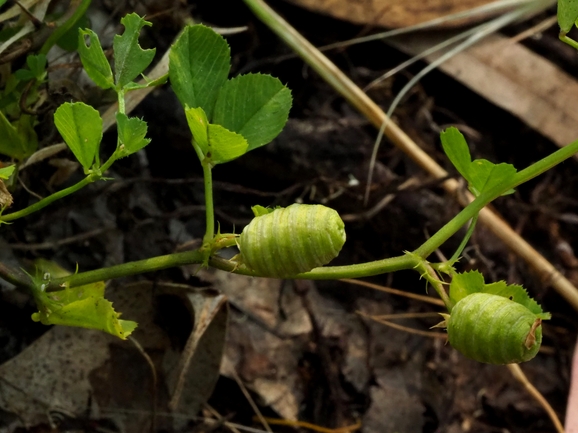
x: 430, y: 334
x: 393, y: 291
x: 521, y: 377
x: 151, y: 364
x: 251, y: 401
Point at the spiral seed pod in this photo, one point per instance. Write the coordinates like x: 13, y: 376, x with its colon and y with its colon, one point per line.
x: 289, y: 241
x: 493, y: 329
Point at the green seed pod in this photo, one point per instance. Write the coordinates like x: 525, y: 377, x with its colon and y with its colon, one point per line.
x: 494, y: 329
x: 289, y: 241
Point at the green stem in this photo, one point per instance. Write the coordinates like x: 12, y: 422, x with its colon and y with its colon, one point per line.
x: 128, y: 269
x: 208, y: 176
x: 465, y: 240
x: 568, y: 40
x: 121, y: 101
x: 407, y: 261
x: 483, y: 199
x: 51, y: 198
x: 16, y: 277
x: 368, y: 269
x: 427, y: 272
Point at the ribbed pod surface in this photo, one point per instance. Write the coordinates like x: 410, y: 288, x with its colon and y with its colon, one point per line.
x: 494, y: 329
x: 292, y: 240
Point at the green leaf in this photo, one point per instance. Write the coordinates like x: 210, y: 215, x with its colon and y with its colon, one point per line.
x: 199, y: 126
x: 81, y: 128
x: 17, y: 140
x: 225, y: 145
x: 481, y: 174
x: 131, y: 132
x: 517, y: 294
x: 83, y: 307
x: 467, y: 283
x: 255, y: 106
x: 567, y: 14
x: 259, y: 210
x: 69, y: 40
x: 199, y: 64
x: 130, y: 60
x: 6, y: 172
x: 93, y: 59
x: 24, y: 74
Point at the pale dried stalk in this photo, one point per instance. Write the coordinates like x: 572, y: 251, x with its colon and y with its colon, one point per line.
x: 521, y: 377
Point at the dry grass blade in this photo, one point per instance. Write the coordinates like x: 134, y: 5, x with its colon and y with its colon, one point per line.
x: 313, y: 427
x: 151, y: 364
x: 254, y: 406
x: 483, y: 10
x: 352, y: 93
x: 429, y: 334
x: 393, y: 291
x: 474, y: 36
x: 521, y: 377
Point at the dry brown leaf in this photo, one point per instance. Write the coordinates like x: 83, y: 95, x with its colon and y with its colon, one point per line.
x: 68, y: 368
x: 52, y: 374
x: 391, y: 13
x: 5, y: 196
x: 514, y: 78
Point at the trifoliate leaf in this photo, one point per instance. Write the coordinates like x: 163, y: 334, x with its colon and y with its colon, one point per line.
x: 199, y: 64
x: 81, y: 128
x: 93, y: 59
x: 255, y: 106
x: 130, y: 59
x: 482, y: 175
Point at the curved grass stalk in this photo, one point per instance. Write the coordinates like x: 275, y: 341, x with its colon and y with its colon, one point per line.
x: 487, y: 9
x: 475, y: 35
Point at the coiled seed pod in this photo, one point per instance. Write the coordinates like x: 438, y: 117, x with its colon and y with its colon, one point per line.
x: 494, y: 329
x: 289, y: 241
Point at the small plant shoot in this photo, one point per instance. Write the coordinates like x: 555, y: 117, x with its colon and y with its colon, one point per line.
x: 481, y: 174
x: 567, y: 19
x: 227, y: 117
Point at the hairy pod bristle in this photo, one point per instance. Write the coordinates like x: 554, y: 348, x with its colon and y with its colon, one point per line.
x: 494, y: 329
x: 293, y: 240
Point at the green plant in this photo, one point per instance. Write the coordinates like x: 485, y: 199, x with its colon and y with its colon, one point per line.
x: 22, y: 90
x: 228, y: 118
